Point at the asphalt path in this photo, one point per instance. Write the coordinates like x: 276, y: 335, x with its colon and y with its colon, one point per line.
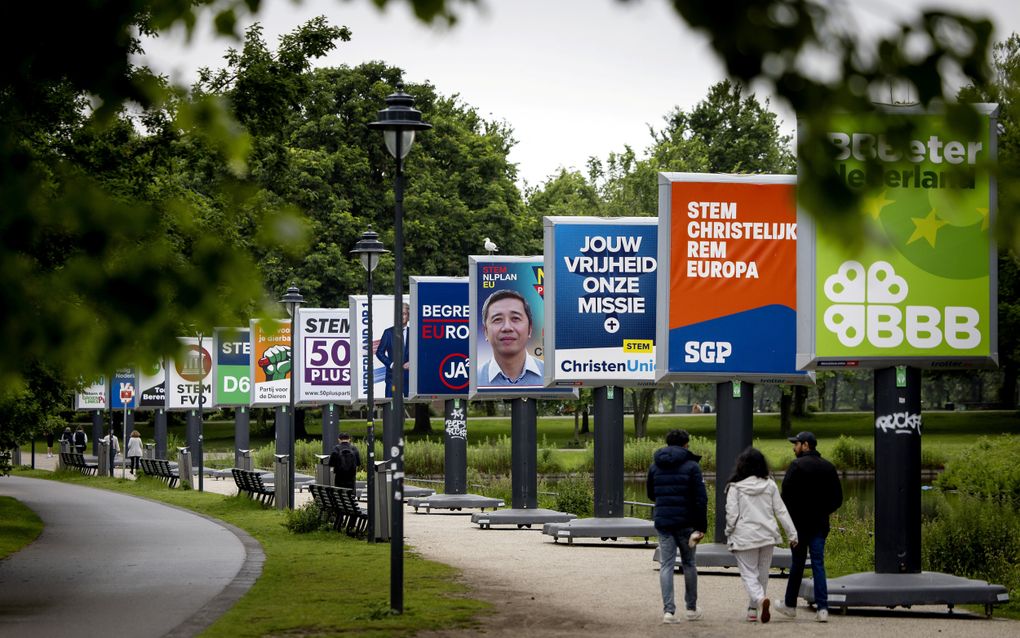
x: 109, y: 564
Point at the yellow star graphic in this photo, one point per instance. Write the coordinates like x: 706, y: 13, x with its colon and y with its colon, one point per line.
x: 926, y: 227
x: 873, y: 205
x: 984, y: 218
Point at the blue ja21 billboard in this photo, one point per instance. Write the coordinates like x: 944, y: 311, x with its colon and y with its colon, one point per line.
x: 601, y: 290
x: 441, y: 329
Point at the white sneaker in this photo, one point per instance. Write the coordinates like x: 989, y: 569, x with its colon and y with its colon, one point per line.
x: 693, y: 614
x: 822, y: 615
x: 669, y: 619
x: 780, y: 606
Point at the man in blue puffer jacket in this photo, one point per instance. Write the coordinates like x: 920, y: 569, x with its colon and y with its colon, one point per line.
x: 677, y: 488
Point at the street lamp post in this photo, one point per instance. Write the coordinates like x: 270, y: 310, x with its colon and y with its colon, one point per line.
x: 398, y: 121
x: 369, y: 249
x: 292, y: 300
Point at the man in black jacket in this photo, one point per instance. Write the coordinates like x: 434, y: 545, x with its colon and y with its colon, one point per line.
x: 677, y: 488
x: 345, y: 461
x: 811, y: 491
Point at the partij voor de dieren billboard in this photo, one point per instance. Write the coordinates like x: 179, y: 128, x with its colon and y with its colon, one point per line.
x: 922, y: 290
x: 440, y: 323
x: 600, y: 300
x: 727, y: 278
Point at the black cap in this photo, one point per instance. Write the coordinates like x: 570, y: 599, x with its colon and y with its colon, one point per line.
x: 804, y: 437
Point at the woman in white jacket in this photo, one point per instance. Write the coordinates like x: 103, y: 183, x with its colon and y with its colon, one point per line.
x: 753, y: 504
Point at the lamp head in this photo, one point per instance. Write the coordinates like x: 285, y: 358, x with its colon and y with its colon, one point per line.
x: 369, y: 249
x: 398, y: 122
x: 292, y: 299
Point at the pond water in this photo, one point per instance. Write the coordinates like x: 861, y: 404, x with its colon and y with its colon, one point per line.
x: 862, y: 489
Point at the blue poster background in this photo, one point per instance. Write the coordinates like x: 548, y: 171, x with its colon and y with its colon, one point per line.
x: 582, y: 330
x: 443, y: 341
x: 124, y: 375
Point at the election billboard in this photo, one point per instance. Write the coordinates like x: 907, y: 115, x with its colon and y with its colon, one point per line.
x: 727, y: 278
x: 271, y: 361
x: 507, y: 343
x: 190, y: 375
x: 151, y: 388
x: 233, y: 366
x: 123, y: 379
x: 323, y: 353
x: 441, y: 328
x: 600, y: 283
x: 92, y: 395
x: 365, y: 363
x: 921, y: 289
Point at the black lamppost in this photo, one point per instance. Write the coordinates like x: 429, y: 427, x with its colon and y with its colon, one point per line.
x: 370, y: 249
x: 398, y: 121
x: 292, y: 300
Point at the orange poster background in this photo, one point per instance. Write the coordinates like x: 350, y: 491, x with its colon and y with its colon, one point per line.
x: 696, y: 300
x: 263, y: 340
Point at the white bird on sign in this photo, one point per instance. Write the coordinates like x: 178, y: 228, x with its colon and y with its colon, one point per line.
x: 490, y: 246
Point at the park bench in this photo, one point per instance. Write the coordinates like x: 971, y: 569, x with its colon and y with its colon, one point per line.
x: 161, y: 469
x: 327, y: 504
x: 251, y: 483
x: 355, y: 518
x: 77, y: 461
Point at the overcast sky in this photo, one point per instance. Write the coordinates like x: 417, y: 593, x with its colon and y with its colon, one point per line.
x: 574, y: 78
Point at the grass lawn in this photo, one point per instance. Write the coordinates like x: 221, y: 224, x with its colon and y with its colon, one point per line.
x: 320, y: 583
x: 19, y: 526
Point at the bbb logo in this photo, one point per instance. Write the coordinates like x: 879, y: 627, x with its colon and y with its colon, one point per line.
x: 707, y: 351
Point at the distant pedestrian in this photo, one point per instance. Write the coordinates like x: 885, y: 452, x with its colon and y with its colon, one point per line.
x: 345, y: 461
x: 49, y: 442
x: 81, y: 440
x: 116, y: 448
x: 677, y: 488
x: 753, y: 504
x: 67, y: 435
x: 811, y: 491
x: 134, y: 450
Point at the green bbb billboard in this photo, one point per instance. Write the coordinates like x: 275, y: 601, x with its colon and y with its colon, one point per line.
x: 921, y: 289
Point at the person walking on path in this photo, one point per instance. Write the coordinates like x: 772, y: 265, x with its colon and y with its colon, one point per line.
x: 677, y: 488
x: 49, y: 443
x: 81, y: 440
x: 753, y: 504
x: 68, y: 436
x: 134, y: 450
x: 811, y: 491
x: 345, y: 461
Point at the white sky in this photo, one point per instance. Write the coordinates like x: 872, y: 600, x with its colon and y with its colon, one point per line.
x: 574, y: 78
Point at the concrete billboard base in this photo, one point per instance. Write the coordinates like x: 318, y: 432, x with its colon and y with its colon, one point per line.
x: 602, y: 528
x: 521, y: 517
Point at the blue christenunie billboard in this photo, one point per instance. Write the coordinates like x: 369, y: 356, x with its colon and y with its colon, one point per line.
x: 601, y: 293
x: 440, y: 337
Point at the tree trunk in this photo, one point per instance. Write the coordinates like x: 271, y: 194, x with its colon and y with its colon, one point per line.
x: 1007, y: 391
x: 577, y: 425
x: 835, y: 393
x: 300, y: 431
x: 800, y: 395
x: 672, y: 405
x: 584, y: 421
x: 644, y: 400
x: 422, y: 422
x: 785, y: 413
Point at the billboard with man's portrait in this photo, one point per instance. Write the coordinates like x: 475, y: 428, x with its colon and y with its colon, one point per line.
x: 507, y: 327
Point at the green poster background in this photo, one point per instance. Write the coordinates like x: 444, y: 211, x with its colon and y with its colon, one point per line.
x: 934, y: 235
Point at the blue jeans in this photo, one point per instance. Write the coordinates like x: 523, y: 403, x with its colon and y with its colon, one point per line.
x: 816, y: 545
x: 668, y: 544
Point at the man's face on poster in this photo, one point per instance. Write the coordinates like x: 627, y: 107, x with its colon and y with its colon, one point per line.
x: 507, y: 327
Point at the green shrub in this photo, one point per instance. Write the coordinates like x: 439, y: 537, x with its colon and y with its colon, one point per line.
x: 575, y: 494
x: 988, y: 469
x: 849, y: 454
x: 638, y: 454
x: 850, y: 547
x: 305, y: 519
x: 975, y: 539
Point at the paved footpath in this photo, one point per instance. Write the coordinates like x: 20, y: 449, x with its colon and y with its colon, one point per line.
x: 108, y: 564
